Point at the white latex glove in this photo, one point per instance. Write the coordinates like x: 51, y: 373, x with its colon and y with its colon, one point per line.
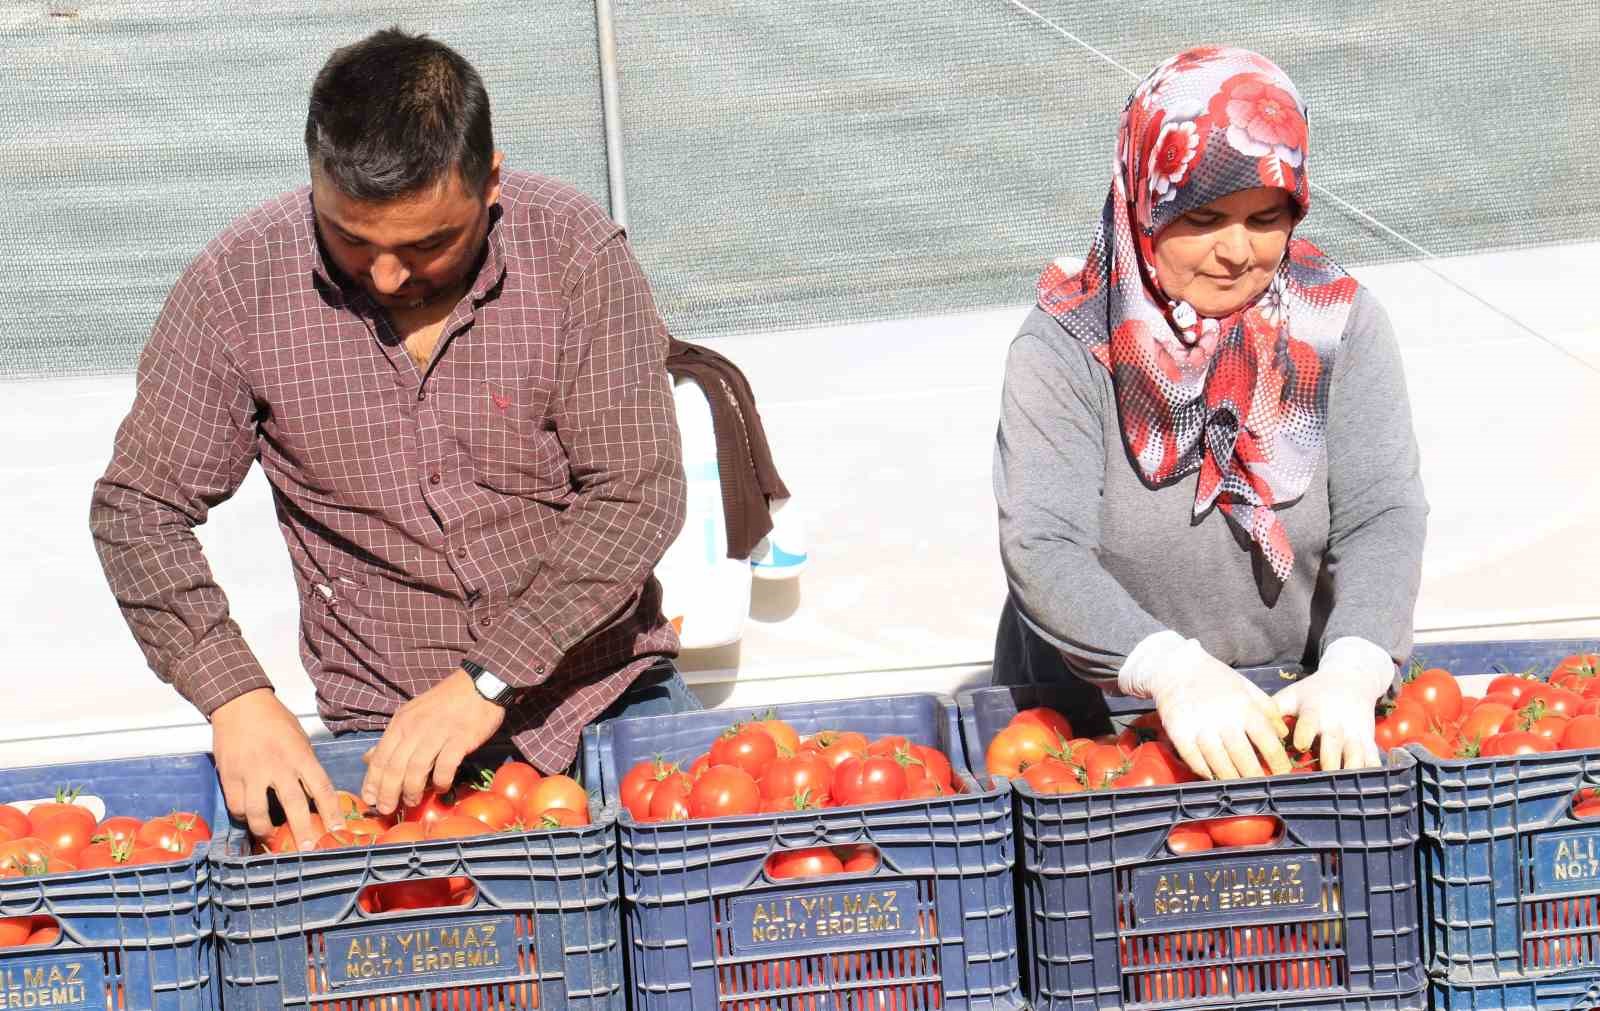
x: 1336, y: 703
x: 1218, y: 721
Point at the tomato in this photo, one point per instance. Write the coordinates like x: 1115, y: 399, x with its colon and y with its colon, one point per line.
x: 560, y: 817
x: 1047, y: 718
x: 889, y: 746
x: 1161, y: 752
x: 1143, y: 730
x: 1557, y: 701
x: 1590, y: 706
x: 64, y: 834
x: 421, y: 893
x: 1516, y: 742
x: 1190, y: 838
x: 1407, y: 720
x: 112, y: 853
x: 670, y: 802
x: 433, y: 806
x: 698, y: 767
x: 14, y: 931
x: 1142, y: 770
x: 1582, y: 732
x: 1436, y: 745
x: 1383, y: 733
x: 935, y: 765
x: 167, y: 831
x: 837, y: 746
x: 802, y: 801
x: 280, y: 841
x: 47, y: 931
x: 784, y: 736
x: 1436, y: 691
x: 857, y: 859
x: 1515, y: 685
x: 1484, y: 721
x: 405, y: 832
x: 870, y: 780
x: 556, y: 791
x: 13, y: 821
x: 339, y: 839
x: 1019, y: 746
x: 1243, y: 830
x: 746, y: 748
x: 514, y: 781
x: 119, y: 828
x: 725, y: 791
x: 1101, y: 764
x: 495, y: 810
x: 1053, y: 776
x: 804, y: 774
x: 639, y: 785
x: 63, y: 806
x: 1582, y: 665
x: 1586, y: 803
x: 456, y: 826
x: 814, y: 862
x: 924, y: 788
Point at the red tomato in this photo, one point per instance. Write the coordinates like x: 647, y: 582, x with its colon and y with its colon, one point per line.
x: 63, y: 807
x: 119, y: 828
x: 1582, y: 732
x: 640, y: 783
x: 725, y: 791
x: 1191, y: 838
x: 1143, y: 771
x: 1243, y: 830
x: 870, y: 780
x: 164, y: 831
x: 14, y: 931
x: 456, y: 826
x: 1047, y: 718
x: 495, y: 810
x: 421, y: 893
x: 514, y: 781
x: 13, y: 820
x: 935, y: 765
x: 561, y: 817
x: 339, y: 839
x: 46, y: 931
x: 744, y: 748
x: 1143, y: 730
x: 405, y: 832
x: 1437, y: 692
x: 1436, y: 745
x: 698, y: 767
x: 1053, y: 776
x: 784, y: 736
x: 857, y: 859
x: 924, y: 788
x: 837, y: 746
x: 556, y: 791
x: 805, y: 774
x: 802, y: 801
x: 1162, y: 753
x: 1484, y: 721
x: 280, y: 841
x: 670, y: 802
x: 1515, y: 685
x: 1101, y: 764
x: 1583, y: 665
x: 1586, y: 803
x: 111, y: 853
x: 432, y: 807
x: 1517, y: 742
x: 889, y: 746
x: 1407, y: 720
x: 1018, y: 746
x: 815, y: 862
x: 63, y: 833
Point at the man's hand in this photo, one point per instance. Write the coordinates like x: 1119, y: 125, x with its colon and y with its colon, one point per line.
x: 259, y: 745
x: 430, y: 734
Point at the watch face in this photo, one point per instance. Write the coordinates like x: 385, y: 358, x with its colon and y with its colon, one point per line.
x: 491, y: 687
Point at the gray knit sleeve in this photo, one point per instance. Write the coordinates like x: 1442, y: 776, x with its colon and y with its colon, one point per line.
x: 1049, y: 472
x: 1377, y: 511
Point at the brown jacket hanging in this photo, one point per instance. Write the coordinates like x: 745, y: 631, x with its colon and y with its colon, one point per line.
x: 744, y: 461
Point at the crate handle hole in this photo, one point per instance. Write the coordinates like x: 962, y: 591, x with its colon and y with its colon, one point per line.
x: 417, y: 893
x: 1240, y: 831
x: 821, y: 861
x: 28, y: 931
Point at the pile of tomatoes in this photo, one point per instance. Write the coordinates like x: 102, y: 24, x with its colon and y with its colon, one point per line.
x: 1038, y: 747
x: 61, y: 836
x: 765, y: 765
x: 512, y: 798
x: 1519, y: 714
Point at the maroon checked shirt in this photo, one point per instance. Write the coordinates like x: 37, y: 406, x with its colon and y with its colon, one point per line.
x: 505, y: 505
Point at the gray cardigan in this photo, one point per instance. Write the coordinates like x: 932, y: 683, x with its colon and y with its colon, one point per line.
x: 1097, y: 560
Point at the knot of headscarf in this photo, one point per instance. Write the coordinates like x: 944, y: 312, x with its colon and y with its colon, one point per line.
x: 1242, y: 399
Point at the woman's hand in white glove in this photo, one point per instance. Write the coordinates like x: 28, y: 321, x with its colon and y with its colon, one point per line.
x: 1220, y: 724
x: 1336, y: 703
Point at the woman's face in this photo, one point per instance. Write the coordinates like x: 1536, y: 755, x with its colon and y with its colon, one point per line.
x: 1220, y: 256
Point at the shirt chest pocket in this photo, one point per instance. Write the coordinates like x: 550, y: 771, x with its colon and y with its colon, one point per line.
x: 513, y: 441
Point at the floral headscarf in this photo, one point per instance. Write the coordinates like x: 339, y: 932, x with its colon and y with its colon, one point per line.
x: 1242, y: 399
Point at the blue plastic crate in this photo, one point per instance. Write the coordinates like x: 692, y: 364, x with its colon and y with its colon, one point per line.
x: 1510, y: 883
x: 542, y: 930
x: 1573, y: 991
x: 132, y: 938
x: 1114, y: 919
x: 932, y: 927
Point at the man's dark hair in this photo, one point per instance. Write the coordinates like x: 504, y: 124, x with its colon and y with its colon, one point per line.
x: 391, y: 115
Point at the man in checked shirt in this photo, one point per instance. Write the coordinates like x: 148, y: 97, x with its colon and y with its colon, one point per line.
x: 453, y: 377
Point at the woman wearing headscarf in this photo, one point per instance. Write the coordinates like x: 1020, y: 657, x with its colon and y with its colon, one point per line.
x: 1205, y: 457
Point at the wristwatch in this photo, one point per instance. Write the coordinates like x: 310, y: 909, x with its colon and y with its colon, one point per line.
x: 489, y: 686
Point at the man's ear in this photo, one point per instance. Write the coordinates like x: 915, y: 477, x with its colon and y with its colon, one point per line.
x: 491, y: 185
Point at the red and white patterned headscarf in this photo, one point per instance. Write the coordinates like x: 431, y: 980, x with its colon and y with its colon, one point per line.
x: 1242, y: 399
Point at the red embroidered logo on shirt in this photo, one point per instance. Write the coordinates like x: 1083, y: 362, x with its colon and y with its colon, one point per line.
x: 500, y: 401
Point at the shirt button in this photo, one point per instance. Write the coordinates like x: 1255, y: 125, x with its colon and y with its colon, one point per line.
x: 461, y: 552
x: 434, y: 478
x: 485, y: 622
